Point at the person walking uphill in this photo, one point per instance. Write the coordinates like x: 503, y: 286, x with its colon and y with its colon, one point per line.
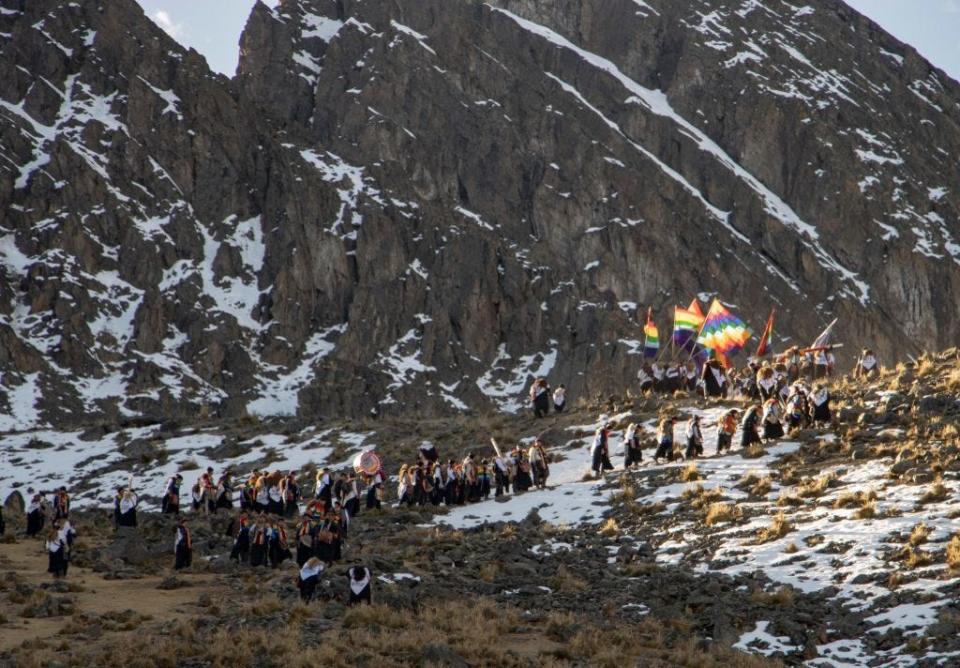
x: 182, y: 546
x: 540, y: 397
x: 600, y: 453
x: 665, y: 440
x: 694, y: 438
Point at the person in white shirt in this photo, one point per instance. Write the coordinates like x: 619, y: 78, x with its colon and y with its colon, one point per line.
x: 867, y: 365
x: 559, y: 399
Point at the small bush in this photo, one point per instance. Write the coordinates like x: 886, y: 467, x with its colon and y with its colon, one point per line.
x: 610, y: 528
x: 953, y: 552
x: 722, y: 512
x: 937, y: 492
x: 867, y: 511
x: 778, y: 528
x: 753, y: 451
x: 690, y: 473
x: 919, y: 535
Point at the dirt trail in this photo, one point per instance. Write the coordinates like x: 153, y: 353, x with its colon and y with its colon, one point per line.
x: 98, y: 596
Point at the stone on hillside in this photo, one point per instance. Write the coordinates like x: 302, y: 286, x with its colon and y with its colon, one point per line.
x: 14, y: 506
x: 128, y: 546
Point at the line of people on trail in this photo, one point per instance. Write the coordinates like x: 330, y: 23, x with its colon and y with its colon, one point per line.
x: 472, y: 479
x: 716, y: 381
x: 758, y: 423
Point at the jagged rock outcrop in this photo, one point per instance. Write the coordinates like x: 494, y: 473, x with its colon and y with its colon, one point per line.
x: 419, y: 205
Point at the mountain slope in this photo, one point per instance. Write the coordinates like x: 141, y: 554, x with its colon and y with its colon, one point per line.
x: 417, y: 206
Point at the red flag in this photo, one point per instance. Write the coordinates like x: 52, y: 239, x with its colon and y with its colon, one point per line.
x: 765, y: 339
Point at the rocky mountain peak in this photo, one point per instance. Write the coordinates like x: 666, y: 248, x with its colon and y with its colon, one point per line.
x: 418, y: 206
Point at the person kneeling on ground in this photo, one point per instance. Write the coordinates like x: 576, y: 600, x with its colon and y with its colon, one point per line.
x: 360, y: 584
x: 308, y: 578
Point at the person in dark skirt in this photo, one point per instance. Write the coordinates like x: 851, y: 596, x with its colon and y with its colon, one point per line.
x: 306, y: 531
x: 309, y: 578
x: 524, y: 478
x: 749, y: 426
x: 694, y: 436
x: 182, y: 546
x: 360, y: 584
x: 772, y: 420
x: 375, y: 485
x: 821, y: 405
x: 56, y: 553
x: 350, y: 495
x: 540, y: 397
x: 665, y: 440
x: 224, y: 492
x: 128, y: 509
x: 290, y: 490
x: 277, y: 548
x: 258, y: 542
x: 36, y: 514
x: 241, y: 542
x: 61, y: 504
x: 632, y: 454
x: 171, y: 497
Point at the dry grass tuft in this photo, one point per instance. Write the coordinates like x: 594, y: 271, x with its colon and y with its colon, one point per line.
x: 788, y: 499
x: 935, y: 493
x: 814, y: 487
x: 755, y: 485
x: 778, y: 528
x: 867, y: 511
x: 722, y: 512
x: 849, y: 499
x: 782, y: 597
x: 913, y: 558
x: 690, y: 473
x: 919, y: 535
x: 610, y: 528
x: 753, y: 451
x: 567, y: 582
x: 699, y: 498
x: 953, y: 552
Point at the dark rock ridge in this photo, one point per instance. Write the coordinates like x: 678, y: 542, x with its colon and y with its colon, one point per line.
x: 421, y: 204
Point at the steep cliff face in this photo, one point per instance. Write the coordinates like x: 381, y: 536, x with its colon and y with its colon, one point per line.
x: 421, y: 204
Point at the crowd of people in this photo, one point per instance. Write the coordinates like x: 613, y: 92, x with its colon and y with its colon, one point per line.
x: 776, y: 408
x: 277, y: 522
x: 431, y: 481
x: 714, y: 380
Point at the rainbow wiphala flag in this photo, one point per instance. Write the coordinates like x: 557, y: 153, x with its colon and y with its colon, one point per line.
x: 686, y: 324
x: 651, y: 338
x: 723, y: 332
